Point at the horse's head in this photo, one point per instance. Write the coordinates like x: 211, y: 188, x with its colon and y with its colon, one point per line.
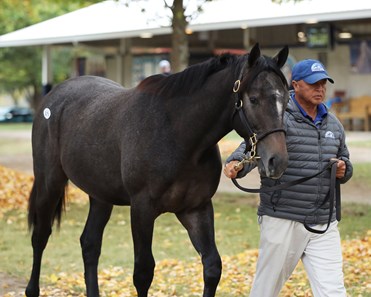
x: 261, y: 94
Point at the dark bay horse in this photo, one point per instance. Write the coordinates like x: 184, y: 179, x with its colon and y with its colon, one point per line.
x: 153, y: 147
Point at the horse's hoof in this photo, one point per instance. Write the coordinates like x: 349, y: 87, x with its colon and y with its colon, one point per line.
x: 32, y: 292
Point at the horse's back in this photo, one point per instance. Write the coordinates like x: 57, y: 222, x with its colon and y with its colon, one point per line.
x: 84, y: 88
x: 86, y: 102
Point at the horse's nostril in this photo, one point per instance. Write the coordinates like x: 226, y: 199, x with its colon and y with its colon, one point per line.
x: 276, y: 166
x: 272, y: 164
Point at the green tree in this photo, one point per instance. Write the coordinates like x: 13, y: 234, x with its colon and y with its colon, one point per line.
x: 179, y: 40
x: 20, y: 67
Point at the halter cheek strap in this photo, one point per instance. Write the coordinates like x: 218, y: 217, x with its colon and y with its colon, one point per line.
x: 254, y: 138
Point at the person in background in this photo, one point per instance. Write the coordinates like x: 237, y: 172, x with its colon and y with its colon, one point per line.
x: 288, y: 217
x: 165, y: 67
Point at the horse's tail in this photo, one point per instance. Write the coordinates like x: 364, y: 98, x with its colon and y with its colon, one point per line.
x: 33, y: 207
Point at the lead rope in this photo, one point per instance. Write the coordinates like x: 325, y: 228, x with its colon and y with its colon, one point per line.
x: 334, y: 193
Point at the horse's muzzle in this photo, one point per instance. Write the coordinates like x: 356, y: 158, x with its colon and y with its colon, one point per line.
x: 273, y: 166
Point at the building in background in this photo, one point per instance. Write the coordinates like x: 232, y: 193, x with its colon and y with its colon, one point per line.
x: 126, y: 44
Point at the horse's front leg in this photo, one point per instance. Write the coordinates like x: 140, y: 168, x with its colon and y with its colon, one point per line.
x: 91, y: 243
x: 200, y: 226
x: 142, y: 223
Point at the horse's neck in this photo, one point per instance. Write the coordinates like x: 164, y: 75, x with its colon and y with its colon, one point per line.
x: 208, y: 116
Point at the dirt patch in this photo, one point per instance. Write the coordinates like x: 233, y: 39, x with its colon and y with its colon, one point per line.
x: 11, y: 284
x: 21, y: 163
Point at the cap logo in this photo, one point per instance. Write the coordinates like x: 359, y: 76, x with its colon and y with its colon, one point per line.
x: 317, y: 67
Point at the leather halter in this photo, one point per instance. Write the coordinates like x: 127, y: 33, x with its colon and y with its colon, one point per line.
x: 254, y: 138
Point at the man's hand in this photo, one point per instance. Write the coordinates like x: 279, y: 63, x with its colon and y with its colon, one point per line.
x: 231, y: 170
x: 340, y: 169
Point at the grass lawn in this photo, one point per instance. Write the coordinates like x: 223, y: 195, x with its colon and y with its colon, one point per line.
x: 11, y: 147
x: 235, y: 222
x: 178, y: 268
x: 15, y: 146
x: 15, y: 126
x: 236, y: 230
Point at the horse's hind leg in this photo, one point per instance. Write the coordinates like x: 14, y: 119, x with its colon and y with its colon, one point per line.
x: 200, y: 226
x: 45, y: 204
x: 91, y: 242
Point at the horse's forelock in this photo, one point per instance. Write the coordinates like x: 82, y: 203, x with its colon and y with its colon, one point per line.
x: 189, y: 80
x: 263, y: 63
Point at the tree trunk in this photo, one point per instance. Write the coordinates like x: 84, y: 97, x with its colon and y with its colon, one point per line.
x: 35, y: 99
x: 180, y: 50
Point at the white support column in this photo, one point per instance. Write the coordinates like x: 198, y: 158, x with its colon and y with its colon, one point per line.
x: 246, y: 38
x: 124, y: 63
x: 47, y: 73
x: 119, y: 66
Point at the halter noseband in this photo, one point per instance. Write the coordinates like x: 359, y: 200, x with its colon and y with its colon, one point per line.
x: 251, y: 145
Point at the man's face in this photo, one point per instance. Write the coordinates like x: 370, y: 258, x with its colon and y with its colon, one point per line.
x: 312, y: 94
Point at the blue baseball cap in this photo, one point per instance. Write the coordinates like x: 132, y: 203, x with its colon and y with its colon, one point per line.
x: 310, y: 71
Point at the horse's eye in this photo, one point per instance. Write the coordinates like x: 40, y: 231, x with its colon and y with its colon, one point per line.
x: 253, y: 100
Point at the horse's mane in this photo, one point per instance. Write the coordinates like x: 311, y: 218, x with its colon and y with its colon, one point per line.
x: 192, y: 78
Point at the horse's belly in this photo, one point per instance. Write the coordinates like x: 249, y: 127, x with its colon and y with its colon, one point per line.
x: 99, y: 178
x: 189, y: 193
x: 105, y: 191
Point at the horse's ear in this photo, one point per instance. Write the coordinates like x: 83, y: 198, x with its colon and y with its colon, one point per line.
x: 254, y: 54
x: 281, y: 57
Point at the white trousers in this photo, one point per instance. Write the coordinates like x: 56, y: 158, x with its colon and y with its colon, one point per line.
x: 283, y: 243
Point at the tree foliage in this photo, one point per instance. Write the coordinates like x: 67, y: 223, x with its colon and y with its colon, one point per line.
x: 20, y: 67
